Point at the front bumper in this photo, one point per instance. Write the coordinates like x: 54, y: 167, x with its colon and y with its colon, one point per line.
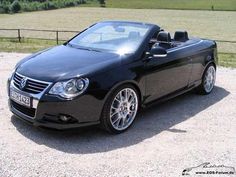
x: 47, y: 109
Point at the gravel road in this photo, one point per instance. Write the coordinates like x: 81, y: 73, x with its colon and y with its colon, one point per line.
x: 165, y: 139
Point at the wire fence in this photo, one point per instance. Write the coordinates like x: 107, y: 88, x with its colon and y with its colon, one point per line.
x: 54, y: 35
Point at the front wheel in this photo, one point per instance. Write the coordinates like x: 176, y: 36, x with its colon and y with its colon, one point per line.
x: 120, y: 109
x: 208, y: 80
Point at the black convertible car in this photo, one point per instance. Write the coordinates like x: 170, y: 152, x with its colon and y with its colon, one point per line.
x: 106, y: 73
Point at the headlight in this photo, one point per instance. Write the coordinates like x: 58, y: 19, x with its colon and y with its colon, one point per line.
x: 71, y: 88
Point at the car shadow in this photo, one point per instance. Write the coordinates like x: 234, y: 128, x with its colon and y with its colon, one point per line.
x: 149, y: 123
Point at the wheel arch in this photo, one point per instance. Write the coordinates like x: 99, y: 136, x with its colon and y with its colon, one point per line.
x: 212, y: 62
x: 127, y: 82
x: 103, y: 118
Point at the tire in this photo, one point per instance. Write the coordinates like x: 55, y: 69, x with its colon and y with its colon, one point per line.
x: 120, y: 109
x: 208, y: 80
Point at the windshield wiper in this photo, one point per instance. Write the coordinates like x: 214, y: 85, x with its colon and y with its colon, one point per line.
x: 83, y: 48
x: 91, y: 49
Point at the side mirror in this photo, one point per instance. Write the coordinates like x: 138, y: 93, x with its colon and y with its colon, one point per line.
x: 158, y: 52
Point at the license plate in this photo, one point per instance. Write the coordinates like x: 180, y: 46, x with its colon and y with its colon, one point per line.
x: 19, y: 98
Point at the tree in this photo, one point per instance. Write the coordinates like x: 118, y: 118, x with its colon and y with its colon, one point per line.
x: 15, y: 6
x: 102, y: 3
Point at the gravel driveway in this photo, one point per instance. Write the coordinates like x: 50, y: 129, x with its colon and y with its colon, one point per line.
x: 165, y: 139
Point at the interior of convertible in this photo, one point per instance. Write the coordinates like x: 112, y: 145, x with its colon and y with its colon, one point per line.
x: 164, y: 40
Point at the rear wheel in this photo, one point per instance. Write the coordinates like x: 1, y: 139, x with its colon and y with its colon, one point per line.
x: 208, y: 80
x: 120, y: 109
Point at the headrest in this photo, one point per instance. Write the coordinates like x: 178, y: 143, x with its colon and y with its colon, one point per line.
x: 181, y: 36
x: 163, y: 37
x: 134, y: 34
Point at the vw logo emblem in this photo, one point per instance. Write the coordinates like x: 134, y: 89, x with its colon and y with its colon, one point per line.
x: 23, y: 83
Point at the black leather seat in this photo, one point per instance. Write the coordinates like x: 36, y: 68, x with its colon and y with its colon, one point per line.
x: 181, y: 36
x: 164, y: 39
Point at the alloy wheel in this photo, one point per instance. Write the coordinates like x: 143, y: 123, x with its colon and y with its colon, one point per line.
x: 123, y: 109
x: 209, y: 79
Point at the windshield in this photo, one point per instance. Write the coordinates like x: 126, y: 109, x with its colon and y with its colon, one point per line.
x: 118, y: 37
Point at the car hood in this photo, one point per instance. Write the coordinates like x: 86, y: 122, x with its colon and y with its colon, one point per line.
x: 64, y: 62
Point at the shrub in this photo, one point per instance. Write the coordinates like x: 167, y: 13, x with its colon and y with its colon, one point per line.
x: 4, y: 8
x: 70, y: 3
x: 15, y: 7
x: 28, y: 7
x: 48, y: 5
x: 102, y: 3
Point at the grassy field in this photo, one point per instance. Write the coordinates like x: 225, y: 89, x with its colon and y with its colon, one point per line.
x: 227, y: 60
x: 26, y: 46
x: 30, y: 46
x: 173, y: 4
x: 217, y: 25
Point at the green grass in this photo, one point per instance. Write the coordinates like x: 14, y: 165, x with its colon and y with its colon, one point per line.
x: 215, y: 25
x: 170, y: 4
x: 31, y: 46
x: 26, y: 46
x: 227, y: 60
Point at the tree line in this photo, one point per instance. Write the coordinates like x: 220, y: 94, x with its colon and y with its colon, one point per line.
x: 15, y: 6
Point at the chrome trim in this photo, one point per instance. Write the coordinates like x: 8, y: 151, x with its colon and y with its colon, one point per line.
x: 44, y: 82
x: 33, y: 86
x: 160, y: 55
x: 36, y: 87
x: 17, y: 79
x: 36, y: 97
x: 33, y: 90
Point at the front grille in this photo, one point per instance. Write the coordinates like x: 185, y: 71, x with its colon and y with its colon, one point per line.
x: 32, y: 86
x: 27, y: 111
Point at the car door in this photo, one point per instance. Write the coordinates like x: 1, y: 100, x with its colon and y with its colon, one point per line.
x: 165, y: 75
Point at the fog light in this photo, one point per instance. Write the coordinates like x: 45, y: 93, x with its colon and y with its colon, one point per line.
x: 64, y: 118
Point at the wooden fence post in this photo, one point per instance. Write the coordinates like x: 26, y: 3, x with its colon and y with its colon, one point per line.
x: 19, y: 37
x: 57, y: 37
